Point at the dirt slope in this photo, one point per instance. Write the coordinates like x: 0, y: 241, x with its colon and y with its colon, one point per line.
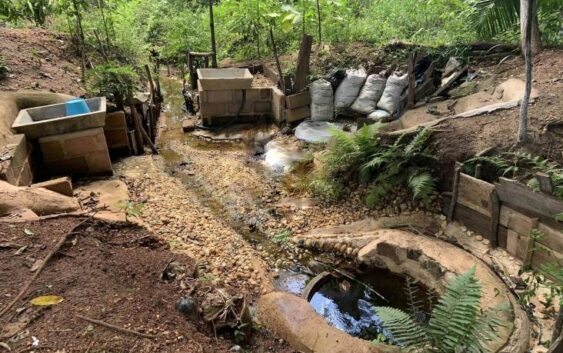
x: 39, y: 60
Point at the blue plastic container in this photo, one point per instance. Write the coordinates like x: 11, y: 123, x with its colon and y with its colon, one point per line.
x: 77, y: 107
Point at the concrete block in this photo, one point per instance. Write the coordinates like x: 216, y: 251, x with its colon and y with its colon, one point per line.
x: 52, y: 151
x: 75, y: 166
x: 25, y: 177
x: 116, y: 138
x: 99, y: 163
x: 297, y: 114
x: 262, y: 107
x: 278, y: 103
x: 116, y: 120
x: 223, y: 96
x: 60, y: 185
x: 516, y: 244
x: 258, y: 94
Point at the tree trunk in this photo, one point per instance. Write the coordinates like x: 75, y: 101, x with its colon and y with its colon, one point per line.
x: 558, y: 324
x: 101, y: 6
x: 523, y: 124
x: 212, y: 30
x: 536, y: 39
x: 319, y: 24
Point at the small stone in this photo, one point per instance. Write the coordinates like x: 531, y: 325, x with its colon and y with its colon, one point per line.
x: 235, y: 348
x: 479, y: 238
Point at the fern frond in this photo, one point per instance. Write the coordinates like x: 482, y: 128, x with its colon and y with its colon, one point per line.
x: 453, y: 318
x: 404, y: 331
x: 418, y: 143
x: 422, y: 185
x: 415, y: 305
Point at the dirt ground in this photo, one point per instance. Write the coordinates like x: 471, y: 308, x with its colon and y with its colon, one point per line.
x: 463, y: 138
x: 38, y: 59
x: 105, y: 272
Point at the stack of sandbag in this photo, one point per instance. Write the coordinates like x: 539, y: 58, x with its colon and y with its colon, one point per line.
x: 370, y: 94
x: 391, y: 97
x: 348, y: 90
x: 322, y: 105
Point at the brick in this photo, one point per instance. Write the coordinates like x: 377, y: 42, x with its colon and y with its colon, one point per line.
x: 298, y: 100
x: 116, y: 120
x: 223, y: 96
x: 292, y: 115
x: 258, y: 94
x: 62, y: 186
x: 52, y: 151
x: 99, y: 163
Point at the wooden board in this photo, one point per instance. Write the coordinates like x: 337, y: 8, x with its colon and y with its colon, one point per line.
x: 475, y: 194
x: 517, y: 194
x: 552, y: 239
x: 298, y: 100
x: 473, y: 220
x: 516, y: 244
x: 515, y: 220
x: 544, y: 256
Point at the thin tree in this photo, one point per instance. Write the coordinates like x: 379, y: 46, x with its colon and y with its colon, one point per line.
x: 212, y: 30
x: 319, y: 23
x: 523, y: 124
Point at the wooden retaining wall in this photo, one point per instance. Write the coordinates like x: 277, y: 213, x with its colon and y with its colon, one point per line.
x: 506, y: 212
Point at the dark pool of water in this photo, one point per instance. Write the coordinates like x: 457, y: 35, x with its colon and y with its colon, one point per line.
x: 349, y: 304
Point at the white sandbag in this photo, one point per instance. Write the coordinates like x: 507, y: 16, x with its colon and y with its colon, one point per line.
x: 379, y: 115
x: 392, y: 94
x: 322, y: 101
x: 370, y: 94
x: 348, y: 90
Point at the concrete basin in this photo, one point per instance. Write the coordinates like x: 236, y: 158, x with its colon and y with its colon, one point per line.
x: 224, y: 79
x: 51, y: 120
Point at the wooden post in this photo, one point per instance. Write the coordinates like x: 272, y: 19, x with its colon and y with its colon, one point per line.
x: 212, y: 30
x: 478, y: 170
x: 140, y: 131
x: 302, y: 70
x: 278, y: 65
x: 412, y: 81
x: 545, y: 183
x: 495, y: 216
x: 455, y: 190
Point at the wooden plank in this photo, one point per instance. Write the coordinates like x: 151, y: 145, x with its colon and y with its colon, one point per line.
x: 517, y: 194
x: 298, y: 100
x: 445, y: 87
x: 515, y: 220
x: 475, y: 194
x: 545, y: 256
x: 302, y: 70
x: 292, y: 115
x: 530, y: 247
x: 553, y: 238
x: 473, y: 220
x: 502, y: 236
x: 495, y: 214
x: 516, y: 244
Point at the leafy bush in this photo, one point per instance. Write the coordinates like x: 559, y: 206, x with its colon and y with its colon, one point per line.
x: 111, y: 80
x: 456, y: 324
x: 365, y: 157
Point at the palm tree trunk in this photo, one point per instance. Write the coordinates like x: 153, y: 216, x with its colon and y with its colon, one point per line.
x: 535, y: 34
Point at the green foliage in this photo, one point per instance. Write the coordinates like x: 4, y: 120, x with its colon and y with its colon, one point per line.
x: 282, y: 237
x: 364, y: 157
x: 325, y: 189
x: 36, y: 11
x: 131, y: 208
x: 111, y: 79
x: 456, y: 325
x: 559, y: 217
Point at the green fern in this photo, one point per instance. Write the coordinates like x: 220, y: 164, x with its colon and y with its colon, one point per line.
x: 405, y: 331
x: 456, y: 323
x: 422, y: 185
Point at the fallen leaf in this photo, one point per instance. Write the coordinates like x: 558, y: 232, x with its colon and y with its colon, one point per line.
x: 28, y: 232
x: 46, y: 300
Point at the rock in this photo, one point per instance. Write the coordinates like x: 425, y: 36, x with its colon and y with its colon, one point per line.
x: 295, y: 321
x: 188, y: 125
x: 188, y: 306
x: 479, y: 238
x: 235, y: 348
